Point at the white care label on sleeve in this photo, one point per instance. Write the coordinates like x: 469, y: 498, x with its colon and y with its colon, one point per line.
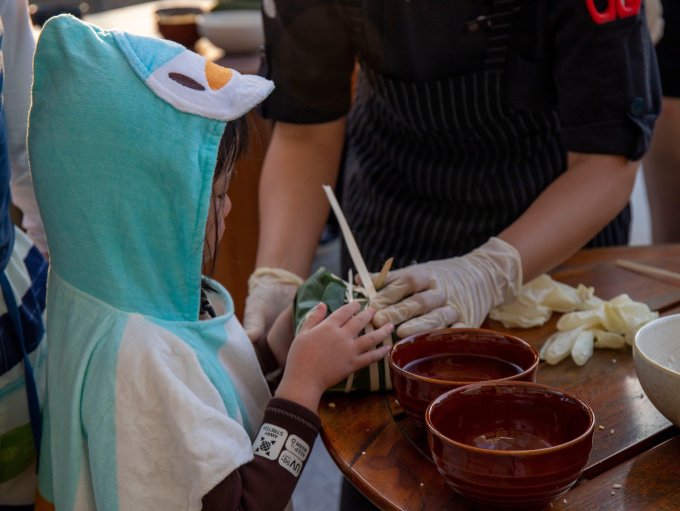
x: 269, y: 441
x: 298, y: 446
x: 291, y: 463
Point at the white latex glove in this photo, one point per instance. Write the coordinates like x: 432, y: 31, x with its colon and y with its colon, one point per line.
x: 620, y: 315
x: 577, y: 342
x: 459, y: 291
x: 609, y: 324
x: 270, y: 291
x: 541, y: 297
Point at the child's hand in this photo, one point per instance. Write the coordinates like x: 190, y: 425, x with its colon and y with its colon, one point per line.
x: 328, y: 350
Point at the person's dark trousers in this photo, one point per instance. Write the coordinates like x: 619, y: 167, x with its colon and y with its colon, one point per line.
x: 352, y: 499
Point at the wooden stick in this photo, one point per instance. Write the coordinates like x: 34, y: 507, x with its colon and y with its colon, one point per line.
x: 650, y: 271
x: 351, y: 243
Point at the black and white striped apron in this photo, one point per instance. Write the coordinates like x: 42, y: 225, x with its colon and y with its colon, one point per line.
x: 433, y: 169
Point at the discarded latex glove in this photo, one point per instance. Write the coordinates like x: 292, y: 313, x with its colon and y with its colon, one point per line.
x: 620, y: 315
x: 578, y: 343
x: 613, y: 324
x: 538, y: 300
x: 589, y: 322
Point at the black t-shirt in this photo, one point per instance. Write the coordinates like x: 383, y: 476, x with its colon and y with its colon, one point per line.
x: 600, y: 76
x: 668, y: 49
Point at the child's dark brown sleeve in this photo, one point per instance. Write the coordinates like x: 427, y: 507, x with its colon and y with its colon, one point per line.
x: 281, y: 449
x: 265, y: 357
x: 268, y: 363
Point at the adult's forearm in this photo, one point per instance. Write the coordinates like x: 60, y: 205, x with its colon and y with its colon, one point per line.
x: 293, y: 207
x: 571, y: 211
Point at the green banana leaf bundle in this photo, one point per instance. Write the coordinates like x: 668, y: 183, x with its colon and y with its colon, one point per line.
x: 325, y: 287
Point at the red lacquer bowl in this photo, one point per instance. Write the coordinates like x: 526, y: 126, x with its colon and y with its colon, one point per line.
x: 426, y: 365
x: 514, y: 445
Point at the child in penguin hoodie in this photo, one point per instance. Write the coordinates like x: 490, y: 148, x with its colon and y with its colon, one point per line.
x: 156, y: 399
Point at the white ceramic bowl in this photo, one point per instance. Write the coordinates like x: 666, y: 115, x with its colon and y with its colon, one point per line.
x: 656, y: 353
x: 237, y: 31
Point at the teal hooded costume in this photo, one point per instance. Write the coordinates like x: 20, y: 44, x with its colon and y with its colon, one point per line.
x: 146, y: 407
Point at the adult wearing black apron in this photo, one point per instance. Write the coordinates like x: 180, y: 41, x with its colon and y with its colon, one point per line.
x: 508, y: 128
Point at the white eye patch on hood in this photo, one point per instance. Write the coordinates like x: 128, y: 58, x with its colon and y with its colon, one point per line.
x: 193, y: 84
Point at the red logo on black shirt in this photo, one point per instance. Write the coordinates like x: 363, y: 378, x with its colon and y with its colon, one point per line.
x: 615, y: 9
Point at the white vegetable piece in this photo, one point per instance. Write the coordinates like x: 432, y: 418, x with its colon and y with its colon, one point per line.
x: 581, y: 319
x: 582, y: 349
x: 604, y: 339
x: 561, y: 344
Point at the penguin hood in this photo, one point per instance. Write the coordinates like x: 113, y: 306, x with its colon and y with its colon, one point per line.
x: 123, y: 140
x: 147, y: 406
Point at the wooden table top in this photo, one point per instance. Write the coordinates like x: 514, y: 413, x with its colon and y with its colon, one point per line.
x: 648, y: 481
x: 385, y: 455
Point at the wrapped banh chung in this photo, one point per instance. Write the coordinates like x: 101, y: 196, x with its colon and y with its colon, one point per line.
x: 325, y: 287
